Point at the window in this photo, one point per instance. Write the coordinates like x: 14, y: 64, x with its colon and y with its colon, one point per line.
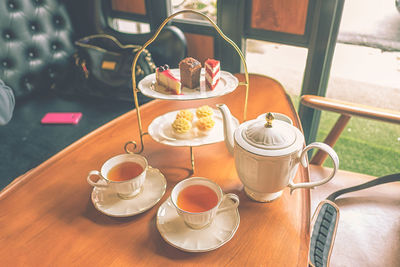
x: 129, y: 26
x: 207, y: 7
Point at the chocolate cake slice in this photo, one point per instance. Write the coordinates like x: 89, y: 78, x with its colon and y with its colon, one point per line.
x: 190, y: 69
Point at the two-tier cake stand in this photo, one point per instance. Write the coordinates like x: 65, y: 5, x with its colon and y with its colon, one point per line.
x: 159, y: 129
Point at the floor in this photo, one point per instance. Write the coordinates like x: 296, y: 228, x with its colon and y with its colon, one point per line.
x: 26, y: 143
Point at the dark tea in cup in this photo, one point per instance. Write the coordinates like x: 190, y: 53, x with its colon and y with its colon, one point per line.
x: 197, y: 198
x: 124, y: 171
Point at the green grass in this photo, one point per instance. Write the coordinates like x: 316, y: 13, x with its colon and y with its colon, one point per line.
x: 365, y: 146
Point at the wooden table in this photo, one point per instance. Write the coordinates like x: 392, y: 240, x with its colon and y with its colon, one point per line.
x: 47, y: 217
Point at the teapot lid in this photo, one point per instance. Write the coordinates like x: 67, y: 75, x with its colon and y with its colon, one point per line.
x: 273, y: 134
x: 271, y: 138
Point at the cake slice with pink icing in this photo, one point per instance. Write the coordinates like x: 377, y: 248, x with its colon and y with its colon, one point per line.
x: 165, y: 78
x: 212, y: 73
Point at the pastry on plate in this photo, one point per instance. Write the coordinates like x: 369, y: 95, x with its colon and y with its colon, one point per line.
x: 205, y: 124
x: 190, y: 69
x: 186, y: 114
x: 181, y: 126
x: 204, y: 111
x: 212, y: 76
x: 165, y: 78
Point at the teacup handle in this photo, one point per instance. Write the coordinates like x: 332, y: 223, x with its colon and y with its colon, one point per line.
x: 231, y: 205
x: 96, y: 184
x: 303, y: 159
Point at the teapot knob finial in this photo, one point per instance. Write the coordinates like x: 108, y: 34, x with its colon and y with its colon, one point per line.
x: 269, y: 117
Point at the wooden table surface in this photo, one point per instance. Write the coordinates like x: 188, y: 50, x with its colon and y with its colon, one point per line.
x: 47, y: 217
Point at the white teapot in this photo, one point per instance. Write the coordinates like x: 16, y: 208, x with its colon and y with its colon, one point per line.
x: 267, y: 153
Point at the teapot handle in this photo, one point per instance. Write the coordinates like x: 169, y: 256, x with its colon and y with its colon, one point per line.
x: 332, y: 154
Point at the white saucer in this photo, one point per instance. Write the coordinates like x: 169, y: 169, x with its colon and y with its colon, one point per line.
x: 176, y: 233
x: 106, y: 200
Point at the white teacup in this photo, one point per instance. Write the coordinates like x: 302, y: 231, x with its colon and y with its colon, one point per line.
x: 127, y: 188
x: 201, y: 219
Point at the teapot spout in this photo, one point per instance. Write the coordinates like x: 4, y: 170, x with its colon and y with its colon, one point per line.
x: 229, y: 126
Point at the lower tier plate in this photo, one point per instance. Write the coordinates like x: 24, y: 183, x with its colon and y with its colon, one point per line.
x: 161, y: 131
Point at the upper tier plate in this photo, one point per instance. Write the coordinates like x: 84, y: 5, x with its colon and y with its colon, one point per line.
x: 148, y: 86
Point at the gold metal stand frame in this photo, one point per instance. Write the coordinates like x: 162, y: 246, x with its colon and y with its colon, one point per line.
x: 137, y: 150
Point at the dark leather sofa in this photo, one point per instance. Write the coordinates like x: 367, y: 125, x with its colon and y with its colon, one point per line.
x: 36, y: 60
